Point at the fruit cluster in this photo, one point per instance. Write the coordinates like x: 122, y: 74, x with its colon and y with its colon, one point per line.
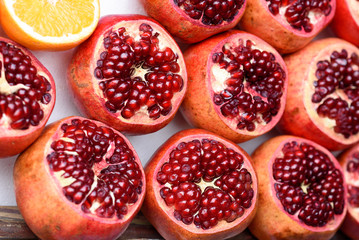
x: 243, y: 68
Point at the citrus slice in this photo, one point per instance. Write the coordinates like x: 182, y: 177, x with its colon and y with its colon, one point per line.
x: 49, y: 24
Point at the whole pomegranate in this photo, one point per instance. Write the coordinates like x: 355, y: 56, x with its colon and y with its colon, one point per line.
x: 345, y: 23
x: 130, y: 74
x: 237, y: 86
x: 195, y: 20
x: 323, y: 94
x: 302, y: 191
x: 200, y: 186
x: 27, y: 97
x: 287, y: 25
x: 349, y: 161
x: 80, y: 180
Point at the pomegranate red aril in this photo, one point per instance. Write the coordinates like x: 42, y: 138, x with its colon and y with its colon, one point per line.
x: 87, y: 172
x: 137, y: 76
x: 27, y: 97
x: 302, y: 186
x: 193, y: 21
x: 200, y: 184
x: 349, y: 160
x: 325, y: 93
x: 245, y: 83
x: 293, y: 23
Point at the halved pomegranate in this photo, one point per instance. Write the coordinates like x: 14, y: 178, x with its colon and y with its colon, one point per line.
x: 301, y: 191
x: 287, y: 25
x: 27, y: 97
x: 237, y: 85
x: 323, y: 94
x: 200, y: 186
x: 346, y: 20
x: 350, y: 164
x: 195, y: 20
x: 80, y: 180
x: 130, y: 74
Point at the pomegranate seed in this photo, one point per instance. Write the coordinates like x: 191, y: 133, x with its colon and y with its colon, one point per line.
x: 116, y: 68
x: 119, y: 179
x: 261, y: 73
x: 323, y: 196
x: 207, y: 160
x: 336, y: 74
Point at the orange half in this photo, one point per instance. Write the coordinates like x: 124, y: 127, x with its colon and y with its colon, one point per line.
x: 49, y: 24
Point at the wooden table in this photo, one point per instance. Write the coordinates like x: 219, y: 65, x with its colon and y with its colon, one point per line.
x: 13, y: 226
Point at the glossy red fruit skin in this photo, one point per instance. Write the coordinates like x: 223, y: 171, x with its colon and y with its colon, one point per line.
x: 351, y: 222
x: 81, y: 80
x: 295, y: 119
x: 345, y: 25
x: 46, y: 210
x: 13, y: 142
x: 258, y: 20
x: 198, y: 107
x: 163, y: 221
x: 271, y: 220
x: 183, y: 27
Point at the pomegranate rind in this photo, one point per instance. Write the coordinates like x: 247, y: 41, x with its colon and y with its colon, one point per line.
x: 13, y: 141
x: 271, y: 220
x: 180, y: 25
x: 300, y: 117
x: 347, y: 15
x: 46, y: 210
x: 198, y: 107
x: 258, y: 20
x: 351, y: 222
x: 85, y: 86
x: 161, y: 216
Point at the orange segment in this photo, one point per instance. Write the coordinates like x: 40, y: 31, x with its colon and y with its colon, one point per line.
x: 49, y: 24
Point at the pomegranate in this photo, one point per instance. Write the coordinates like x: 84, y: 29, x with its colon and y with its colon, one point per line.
x: 287, y: 25
x: 195, y: 20
x: 301, y: 190
x: 80, y: 180
x: 130, y: 74
x: 349, y: 161
x: 323, y: 94
x: 237, y: 86
x: 345, y: 23
x: 27, y: 97
x: 200, y: 186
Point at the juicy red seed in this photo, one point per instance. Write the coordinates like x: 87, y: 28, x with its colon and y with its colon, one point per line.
x: 76, y: 153
x: 22, y: 106
x: 316, y: 210
x: 297, y: 11
x: 338, y: 74
x: 128, y: 93
x: 260, y: 73
x: 207, y: 160
x: 210, y: 12
x: 323, y: 195
x: 352, y: 168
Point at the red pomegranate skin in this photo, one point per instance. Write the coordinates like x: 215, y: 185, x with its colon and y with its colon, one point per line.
x: 344, y: 23
x: 50, y: 214
x: 180, y: 25
x: 281, y: 225
x: 167, y: 225
x: 258, y: 20
x: 13, y: 142
x: 295, y: 111
x: 351, y: 222
x: 82, y: 78
x: 198, y: 107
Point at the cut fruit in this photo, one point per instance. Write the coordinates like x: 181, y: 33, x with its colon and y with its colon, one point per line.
x: 35, y: 23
